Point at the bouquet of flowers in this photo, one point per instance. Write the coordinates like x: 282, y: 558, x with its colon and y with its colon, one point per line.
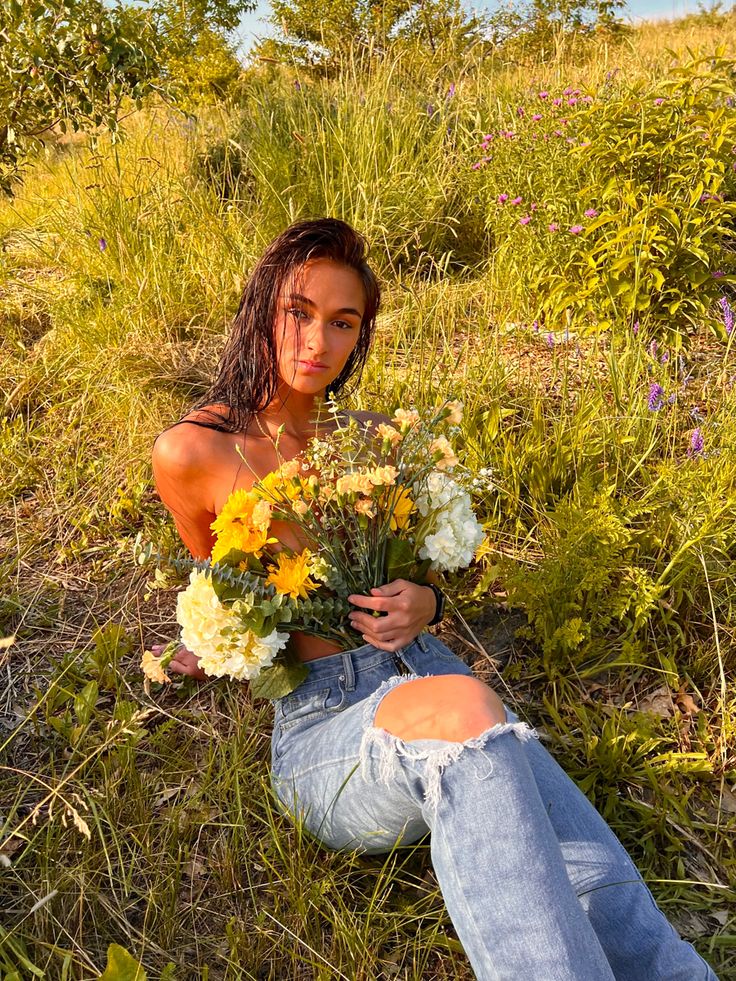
x: 369, y: 509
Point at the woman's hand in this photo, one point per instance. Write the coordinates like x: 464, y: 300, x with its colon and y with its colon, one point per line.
x: 406, y: 606
x: 183, y: 662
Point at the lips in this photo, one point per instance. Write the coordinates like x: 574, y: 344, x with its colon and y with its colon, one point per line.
x: 313, y: 364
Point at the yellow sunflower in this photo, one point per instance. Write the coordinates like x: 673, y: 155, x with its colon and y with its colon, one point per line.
x: 292, y: 575
x: 280, y: 485
x: 402, y: 506
x: 243, y: 523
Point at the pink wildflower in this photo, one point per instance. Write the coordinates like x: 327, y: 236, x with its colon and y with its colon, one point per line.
x: 554, y: 227
x: 576, y: 229
x: 525, y: 220
x: 591, y: 213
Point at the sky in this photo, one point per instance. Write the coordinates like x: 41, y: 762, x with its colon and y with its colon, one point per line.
x: 254, y: 25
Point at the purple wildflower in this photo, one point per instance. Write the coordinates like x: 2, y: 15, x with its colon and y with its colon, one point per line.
x: 502, y: 198
x: 572, y: 102
x: 727, y: 314
x: 665, y: 358
x: 450, y: 91
x: 297, y: 85
x: 533, y: 206
x: 655, y: 398
x: 520, y: 111
x: 653, y: 349
x: 591, y: 213
x: 430, y: 110
x: 718, y: 274
x: 558, y: 132
x: 477, y: 165
x: 554, y: 227
x: 658, y: 102
x: 525, y: 220
x: 697, y: 443
x: 535, y: 326
x: 536, y: 117
x: 567, y: 91
x: 557, y: 102
x: 576, y: 229
x: 103, y: 244
x: 550, y: 340
x: 543, y: 94
x: 635, y: 328
x: 516, y: 200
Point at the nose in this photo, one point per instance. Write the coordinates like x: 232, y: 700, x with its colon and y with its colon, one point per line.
x: 315, y: 337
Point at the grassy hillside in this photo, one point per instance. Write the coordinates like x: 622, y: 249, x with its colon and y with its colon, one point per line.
x: 597, y: 372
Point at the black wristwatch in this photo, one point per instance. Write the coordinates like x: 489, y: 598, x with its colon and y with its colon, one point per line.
x: 440, y: 608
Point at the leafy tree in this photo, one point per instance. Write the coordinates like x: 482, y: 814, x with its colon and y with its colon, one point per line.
x: 534, y: 24
x: 68, y: 63
x: 72, y: 63
x: 318, y: 34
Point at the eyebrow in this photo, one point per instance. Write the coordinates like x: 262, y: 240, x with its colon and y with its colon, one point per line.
x: 308, y: 302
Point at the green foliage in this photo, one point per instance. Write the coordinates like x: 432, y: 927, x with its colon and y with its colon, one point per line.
x: 68, y: 63
x: 538, y: 26
x: 656, y: 164
x: 122, y: 966
x: 345, y: 26
x: 587, y: 579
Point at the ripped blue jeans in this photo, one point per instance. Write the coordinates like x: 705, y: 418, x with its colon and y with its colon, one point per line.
x: 536, y: 884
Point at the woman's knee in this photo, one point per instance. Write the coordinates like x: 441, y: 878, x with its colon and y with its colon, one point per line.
x: 452, y: 707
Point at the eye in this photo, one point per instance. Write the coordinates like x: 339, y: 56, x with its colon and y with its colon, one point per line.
x: 296, y: 313
x: 343, y: 324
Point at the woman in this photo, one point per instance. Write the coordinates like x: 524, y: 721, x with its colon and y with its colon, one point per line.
x: 396, y: 737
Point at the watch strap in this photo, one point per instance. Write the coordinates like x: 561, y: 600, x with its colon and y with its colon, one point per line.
x: 440, y: 607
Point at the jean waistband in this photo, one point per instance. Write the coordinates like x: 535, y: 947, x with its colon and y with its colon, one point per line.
x: 346, y: 663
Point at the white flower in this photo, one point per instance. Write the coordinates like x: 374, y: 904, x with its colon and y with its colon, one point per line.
x: 216, y: 635
x: 452, y: 532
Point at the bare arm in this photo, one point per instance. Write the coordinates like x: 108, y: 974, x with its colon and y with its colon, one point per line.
x: 182, y: 465
x: 182, y: 468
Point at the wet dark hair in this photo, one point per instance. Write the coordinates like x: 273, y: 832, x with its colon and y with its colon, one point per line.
x: 247, y: 374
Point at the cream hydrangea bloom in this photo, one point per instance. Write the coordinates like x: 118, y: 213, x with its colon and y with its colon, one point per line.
x: 204, y: 620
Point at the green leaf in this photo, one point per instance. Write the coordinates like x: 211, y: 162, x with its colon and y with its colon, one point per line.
x: 400, y: 559
x: 122, y: 966
x: 280, y: 679
x: 84, y: 703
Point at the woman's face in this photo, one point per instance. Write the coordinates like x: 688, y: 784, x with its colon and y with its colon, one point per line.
x: 317, y: 326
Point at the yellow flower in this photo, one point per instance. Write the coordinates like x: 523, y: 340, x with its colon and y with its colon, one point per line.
x: 358, y: 483
x: 406, y: 419
x: 455, y: 415
x: 365, y: 505
x: 388, y: 433
x: 443, y: 453
x: 383, y: 476
x: 281, y: 484
x: 402, y: 506
x: 243, y: 523
x: 151, y: 668
x: 292, y: 576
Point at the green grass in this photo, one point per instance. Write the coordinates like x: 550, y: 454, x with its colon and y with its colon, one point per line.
x: 145, y: 819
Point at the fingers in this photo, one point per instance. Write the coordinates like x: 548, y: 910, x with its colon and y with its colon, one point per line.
x: 371, y: 602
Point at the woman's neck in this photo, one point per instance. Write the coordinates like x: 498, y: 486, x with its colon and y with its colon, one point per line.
x: 299, y: 414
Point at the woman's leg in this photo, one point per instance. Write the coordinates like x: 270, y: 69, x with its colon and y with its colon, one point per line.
x: 639, y: 942
x: 636, y: 938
